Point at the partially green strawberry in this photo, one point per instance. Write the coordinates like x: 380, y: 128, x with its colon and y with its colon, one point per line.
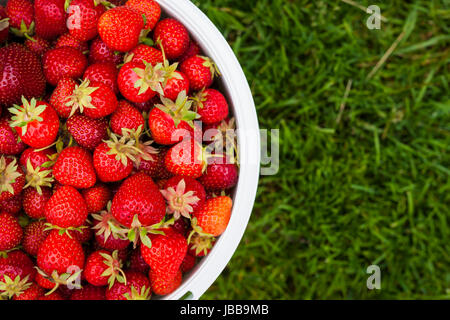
x: 36, y: 122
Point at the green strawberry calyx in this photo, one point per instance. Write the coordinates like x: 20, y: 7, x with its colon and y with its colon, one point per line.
x: 150, y: 78
x: 8, y: 175
x: 81, y: 98
x: 144, y: 294
x: 179, y: 201
x: 10, y: 288
x: 28, y: 112
x: 201, y: 243
x: 146, y: 149
x: 123, y: 148
x: 63, y: 279
x: 107, y: 225
x: 37, y: 178
x: 179, y: 110
x: 4, y: 23
x: 114, y: 271
x: 211, y: 65
x: 24, y: 30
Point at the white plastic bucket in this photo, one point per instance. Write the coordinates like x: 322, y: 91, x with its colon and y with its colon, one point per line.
x: 235, y: 85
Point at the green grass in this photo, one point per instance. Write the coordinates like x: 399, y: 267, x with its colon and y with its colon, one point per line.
x: 362, y: 181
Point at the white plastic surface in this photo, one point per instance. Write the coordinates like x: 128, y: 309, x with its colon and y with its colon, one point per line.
x: 238, y: 92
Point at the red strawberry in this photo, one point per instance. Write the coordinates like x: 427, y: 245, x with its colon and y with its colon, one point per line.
x: 66, y: 208
x: 213, y: 218
x: 16, y: 274
x: 61, y: 96
x: 113, y: 159
x: 137, y: 262
x: 74, y: 167
x: 34, y: 236
x: 103, y: 268
x: 87, y: 132
x: 145, y: 53
x: 4, y: 25
x: 96, y: 100
x: 50, y: 17
x: 34, y: 203
x: 21, y: 16
x: 83, y: 234
x: 188, y: 263
x: 99, y: 52
x: 33, y: 292
x: 138, y: 196
x: 38, y: 45
x: 173, y: 37
x: 211, y: 105
x: 12, y: 205
x: 163, y: 285
x: 54, y: 296
x: 139, y: 81
x: 149, y: 8
x: 104, y: 72
x: 97, y: 197
x: 83, y: 18
x: 18, y: 258
x: 67, y: 40
x: 177, y: 83
x: 184, y: 196
x: 9, y: 139
x: 155, y: 167
x: 105, y: 236
x: 21, y: 74
x: 37, y: 123
x: 166, y: 253
x: 89, y: 293
x: 38, y: 166
x: 70, y: 258
x: 200, y: 72
x: 180, y: 225
x: 186, y: 159
x: 137, y: 287
x: 126, y: 117
x: 10, y: 232
x: 37, y: 158
x: 193, y: 50
x: 220, y: 176
x: 120, y: 28
x: 12, y: 179
x: 64, y: 62
x: 171, y: 121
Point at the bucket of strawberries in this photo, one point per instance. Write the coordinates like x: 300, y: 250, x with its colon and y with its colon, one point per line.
x: 129, y: 150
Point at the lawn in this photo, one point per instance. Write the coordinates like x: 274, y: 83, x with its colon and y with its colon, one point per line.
x: 365, y: 138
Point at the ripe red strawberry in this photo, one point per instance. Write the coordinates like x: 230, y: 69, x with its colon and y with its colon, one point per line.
x: 61, y: 96
x: 54, y: 296
x: 87, y: 132
x: 38, y: 45
x: 184, y: 196
x: 4, y: 25
x: 10, y: 232
x: 67, y: 40
x: 143, y: 52
x: 38, y: 165
x: 187, y: 158
x: 89, y: 293
x: 193, y: 50
x: 120, y: 28
x: 37, y: 158
x: 163, y: 285
x: 12, y: 179
x: 188, y: 263
x: 99, y: 52
x: 211, y: 105
x: 50, y: 17
x: 83, y: 18
x: 171, y: 121
x: 97, y: 197
x: 70, y: 257
x: 12, y: 205
x: 83, y: 234
x: 166, y: 253
x: 94, y: 99
x: 74, y: 167
x: 104, y: 72
x: 139, y: 81
x: 9, y: 139
x: 113, y: 159
x: 18, y: 258
x: 220, y: 176
x: 64, y: 62
x: 66, y: 208
x: 16, y: 273
x: 155, y: 167
x: 138, y: 196
x: 34, y: 236
x: 21, y: 16
x: 33, y: 292
x: 126, y: 117
x: 36, y: 122
x: 177, y: 83
x: 34, y: 203
x: 21, y: 74
x: 103, y: 268
x: 173, y: 37
x: 213, y: 218
x: 137, y: 262
x: 149, y: 8
x: 112, y: 242
x: 200, y: 72
x: 136, y: 288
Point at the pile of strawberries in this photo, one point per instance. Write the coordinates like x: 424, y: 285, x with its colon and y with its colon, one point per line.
x: 116, y: 159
